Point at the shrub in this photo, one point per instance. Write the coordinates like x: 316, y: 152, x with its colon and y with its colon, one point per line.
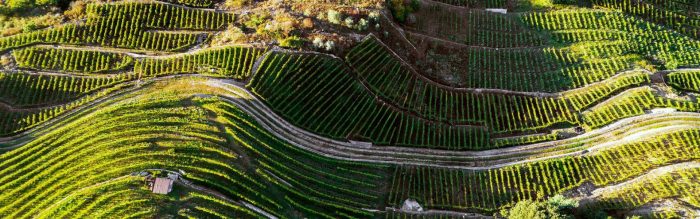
x: 334, y: 16
x: 362, y: 25
x: 400, y: 9
x: 232, y: 34
x: 557, y: 207
x: 541, y: 3
x: 292, y: 42
x: 330, y: 45
x: 671, y: 65
x: 318, y: 43
x: 5, y: 61
x: 374, y: 16
x: 562, y: 203
x: 46, y: 2
x: 349, y: 22
x: 255, y: 20
x: 237, y: 3
x: 31, y: 26
x: 307, y: 23
x: 76, y: 10
x: 17, y: 5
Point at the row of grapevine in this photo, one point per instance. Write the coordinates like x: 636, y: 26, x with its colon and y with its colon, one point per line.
x: 631, y: 103
x: 672, y: 14
x: 192, y: 3
x: 233, y: 62
x: 129, y: 25
x: 685, y: 80
x: 69, y: 60
x: 128, y: 196
x: 152, y: 15
x: 583, y: 98
x: 84, y: 203
x: 681, y: 184
x: 508, y: 69
x: 15, y: 121
x: 420, y: 102
x: 313, y: 182
x: 211, y: 142
x: 317, y: 93
x: 489, y: 190
x: 521, y: 140
x: 21, y: 89
x: 390, y: 79
x: 472, y: 27
x: 395, y: 214
x: 597, y: 70
x: 88, y: 159
x: 598, y: 29
x: 478, y: 3
x: 104, y: 33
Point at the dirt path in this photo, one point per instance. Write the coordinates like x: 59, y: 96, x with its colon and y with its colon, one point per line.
x: 453, y: 159
x: 613, y: 134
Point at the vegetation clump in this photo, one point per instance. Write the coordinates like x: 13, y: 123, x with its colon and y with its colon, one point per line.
x: 557, y: 207
x: 401, y: 9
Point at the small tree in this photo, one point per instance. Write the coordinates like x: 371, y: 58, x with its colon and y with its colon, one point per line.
x: 237, y: 3
x: 334, y: 16
x: 330, y: 45
x: 16, y: 5
x: 557, y: 207
x: 400, y: 9
x: 292, y: 42
x: 671, y: 65
x: 362, y: 25
x: 77, y: 10
x: 318, y: 43
x: 349, y: 22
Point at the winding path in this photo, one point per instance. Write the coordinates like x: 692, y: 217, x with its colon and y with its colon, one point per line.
x: 600, y: 139
x: 612, y: 135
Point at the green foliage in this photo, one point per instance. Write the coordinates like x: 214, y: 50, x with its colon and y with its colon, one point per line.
x: 349, y: 22
x: 292, y: 42
x: 334, y: 16
x: 400, y: 9
x: 231, y: 61
x: 685, y: 80
x: 541, y: 3
x: 18, y: 5
x: 211, y: 141
x: 671, y: 65
x: 592, y: 212
x: 562, y: 204
x: 255, y: 20
x: 556, y: 207
x: 46, y: 2
x: 68, y: 60
x: 237, y: 3
x: 109, y: 25
x: 29, y: 27
x: 362, y: 25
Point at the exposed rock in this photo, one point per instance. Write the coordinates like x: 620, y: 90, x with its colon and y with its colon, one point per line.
x: 411, y: 205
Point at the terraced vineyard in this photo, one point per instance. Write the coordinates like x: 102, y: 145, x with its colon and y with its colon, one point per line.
x: 351, y: 109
